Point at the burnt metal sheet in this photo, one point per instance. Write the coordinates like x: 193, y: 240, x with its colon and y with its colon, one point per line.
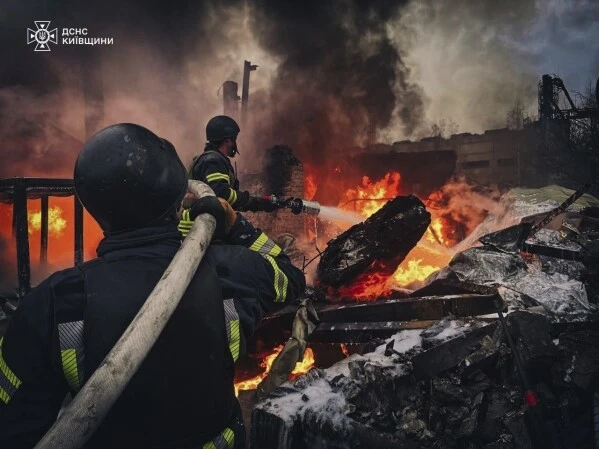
x: 449, y: 354
x: 551, y: 251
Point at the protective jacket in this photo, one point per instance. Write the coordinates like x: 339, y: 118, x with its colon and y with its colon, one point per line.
x: 215, y: 169
x: 182, y: 396
x: 248, y: 261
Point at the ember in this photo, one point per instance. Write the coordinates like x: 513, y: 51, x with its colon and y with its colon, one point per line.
x: 300, y: 368
x: 368, y: 286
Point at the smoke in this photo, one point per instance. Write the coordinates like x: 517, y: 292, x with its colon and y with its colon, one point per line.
x: 465, y: 204
x: 331, y: 74
x: 163, y: 71
x: 339, y: 77
x: 458, y: 53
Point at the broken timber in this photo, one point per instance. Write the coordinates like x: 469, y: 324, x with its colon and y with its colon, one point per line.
x: 363, y: 321
x: 378, y: 244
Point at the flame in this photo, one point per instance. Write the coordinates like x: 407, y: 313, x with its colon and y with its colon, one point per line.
x: 434, y: 232
x: 56, y: 223
x: 61, y: 244
x: 415, y: 271
x: 310, y: 184
x: 300, y: 368
x: 369, y: 197
x: 368, y: 286
x: 344, y: 350
x: 429, y: 255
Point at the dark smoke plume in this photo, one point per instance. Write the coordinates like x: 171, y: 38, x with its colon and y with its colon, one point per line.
x: 339, y: 78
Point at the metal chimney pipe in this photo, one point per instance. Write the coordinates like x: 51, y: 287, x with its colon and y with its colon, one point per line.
x: 245, y: 91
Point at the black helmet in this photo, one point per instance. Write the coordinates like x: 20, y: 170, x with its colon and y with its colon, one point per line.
x: 221, y: 127
x: 127, y: 177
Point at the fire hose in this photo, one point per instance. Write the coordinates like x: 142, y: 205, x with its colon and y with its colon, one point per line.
x: 90, y: 406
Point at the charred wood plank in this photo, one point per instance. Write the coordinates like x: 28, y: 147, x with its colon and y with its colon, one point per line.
x: 378, y: 244
x: 362, y: 332
x: 425, y: 308
x: 403, y: 313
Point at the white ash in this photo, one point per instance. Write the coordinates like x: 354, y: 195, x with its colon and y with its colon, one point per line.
x: 316, y: 397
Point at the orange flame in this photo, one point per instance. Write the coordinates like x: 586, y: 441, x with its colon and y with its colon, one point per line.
x: 300, y: 368
x: 372, y: 196
x: 415, y: 271
x: 56, y: 223
x: 310, y: 184
x: 434, y: 232
x: 60, y: 237
x: 422, y: 261
x: 368, y: 286
x: 344, y: 350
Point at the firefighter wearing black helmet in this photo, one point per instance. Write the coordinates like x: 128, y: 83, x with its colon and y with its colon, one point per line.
x: 214, y: 166
x: 132, y: 182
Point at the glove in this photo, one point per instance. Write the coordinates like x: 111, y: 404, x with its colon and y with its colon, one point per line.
x: 222, y: 212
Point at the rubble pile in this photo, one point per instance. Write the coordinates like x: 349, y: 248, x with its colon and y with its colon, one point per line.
x: 462, y: 384
x: 418, y: 393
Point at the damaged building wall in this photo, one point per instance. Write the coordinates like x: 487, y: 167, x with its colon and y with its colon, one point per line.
x: 503, y: 156
x: 283, y: 177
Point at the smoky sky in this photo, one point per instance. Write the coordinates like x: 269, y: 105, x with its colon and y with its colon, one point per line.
x: 339, y: 75
x: 331, y: 74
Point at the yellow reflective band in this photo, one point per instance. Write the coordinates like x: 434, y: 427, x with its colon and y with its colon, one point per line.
x: 185, y: 223
x: 232, y: 197
x: 7, y: 374
x: 226, y: 440
x: 4, y: 397
x: 233, y: 329
x: 69, y: 367
x: 265, y: 246
x: 212, y: 177
x: 280, y: 283
x: 229, y: 438
x: 235, y: 339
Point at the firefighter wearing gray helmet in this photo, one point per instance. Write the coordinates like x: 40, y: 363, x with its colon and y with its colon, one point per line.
x: 214, y: 167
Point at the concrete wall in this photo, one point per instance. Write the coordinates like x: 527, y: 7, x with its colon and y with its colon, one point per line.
x: 505, y: 157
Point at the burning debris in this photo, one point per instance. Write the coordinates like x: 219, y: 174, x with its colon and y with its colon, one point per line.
x: 526, y: 381
x: 376, y: 246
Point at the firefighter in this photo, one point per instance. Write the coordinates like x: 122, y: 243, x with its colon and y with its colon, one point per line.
x: 132, y: 183
x: 214, y: 167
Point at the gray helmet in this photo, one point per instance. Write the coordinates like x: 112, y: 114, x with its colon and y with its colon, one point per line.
x: 221, y: 127
x: 127, y: 177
